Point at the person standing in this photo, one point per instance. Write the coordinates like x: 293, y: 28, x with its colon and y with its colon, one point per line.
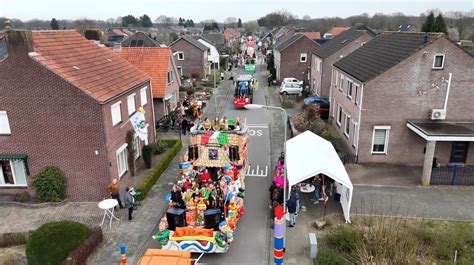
x: 114, y: 190
x: 291, y: 206
x: 184, y: 126
x: 295, y: 191
x: 317, y: 191
x: 129, y: 203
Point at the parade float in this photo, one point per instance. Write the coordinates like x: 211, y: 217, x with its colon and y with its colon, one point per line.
x: 242, y: 98
x: 198, y: 227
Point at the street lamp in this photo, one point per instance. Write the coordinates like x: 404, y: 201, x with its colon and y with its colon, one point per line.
x: 258, y: 106
x: 215, y: 85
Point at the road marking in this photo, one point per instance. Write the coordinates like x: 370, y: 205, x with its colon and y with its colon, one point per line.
x: 263, y: 126
x: 255, y: 133
x: 257, y: 172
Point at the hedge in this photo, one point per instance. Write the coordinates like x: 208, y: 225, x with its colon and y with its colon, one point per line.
x: 151, y: 179
x: 52, y: 242
x: 82, y: 252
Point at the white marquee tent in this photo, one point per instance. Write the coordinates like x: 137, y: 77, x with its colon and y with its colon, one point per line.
x: 308, y: 155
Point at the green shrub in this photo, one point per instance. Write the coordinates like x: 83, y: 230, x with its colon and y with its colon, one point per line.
x: 23, y: 196
x: 329, y: 257
x: 151, y: 179
x: 82, y: 252
x: 160, y: 147
x: 50, y: 184
x: 147, y: 153
x: 51, y: 243
x: 344, y: 238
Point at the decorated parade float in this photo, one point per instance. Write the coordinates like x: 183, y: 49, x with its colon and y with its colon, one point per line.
x: 212, y: 185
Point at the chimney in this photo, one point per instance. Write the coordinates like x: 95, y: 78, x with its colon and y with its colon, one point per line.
x: 117, y: 47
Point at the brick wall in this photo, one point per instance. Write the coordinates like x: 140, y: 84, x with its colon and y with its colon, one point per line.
x: 193, y: 58
x: 393, y: 97
x: 290, y: 65
x: 54, y: 123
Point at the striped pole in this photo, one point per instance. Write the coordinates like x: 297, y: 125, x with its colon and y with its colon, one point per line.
x: 279, y: 235
x: 123, y: 254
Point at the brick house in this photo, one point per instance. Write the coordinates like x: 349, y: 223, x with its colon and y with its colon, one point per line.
x: 387, y: 101
x: 292, y: 56
x: 325, y: 56
x: 191, y: 57
x: 160, y: 65
x: 139, y: 39
x: 65, y: 101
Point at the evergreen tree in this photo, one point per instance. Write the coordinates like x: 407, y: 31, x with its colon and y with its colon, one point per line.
x: 180, y: 22
x: 129, y: 20
x: 439, y: 25
x: 239, y: 23
x: 54, y: 24
x: 145, y: 21
x: 428, y: 25
x: 191, y: 23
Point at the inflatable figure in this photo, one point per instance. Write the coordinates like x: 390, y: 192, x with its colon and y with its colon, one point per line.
x: 162, y: 237
x: 191, y: 213
x: 201, y: 207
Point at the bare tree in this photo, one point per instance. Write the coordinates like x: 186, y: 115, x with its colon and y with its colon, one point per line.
x: 250, y: 26
x: 230, y: 21
x: 306, y: 17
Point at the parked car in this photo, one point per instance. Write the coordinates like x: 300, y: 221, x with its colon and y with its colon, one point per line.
x: 292, y: 80
x: 290, y: 88
x: 321, y: 105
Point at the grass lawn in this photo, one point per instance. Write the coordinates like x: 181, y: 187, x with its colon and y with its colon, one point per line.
x: 387, y: 240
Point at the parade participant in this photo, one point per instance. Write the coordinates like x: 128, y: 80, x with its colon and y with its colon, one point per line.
x: 216, y: 125
x: 207, y: 124
x: 188, y: 194
x: 243, y: 89
x: 205, y: 176
x: 199, y: 113
x: 237, y: 124
x: 224, y: 124
x: 177, y: 197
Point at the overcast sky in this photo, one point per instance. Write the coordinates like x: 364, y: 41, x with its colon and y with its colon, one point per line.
x: 217, y: 9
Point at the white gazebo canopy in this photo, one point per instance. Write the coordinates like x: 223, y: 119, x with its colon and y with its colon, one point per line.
x: 308, y: 155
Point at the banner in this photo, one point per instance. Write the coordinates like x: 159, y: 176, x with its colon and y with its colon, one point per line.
x: 139, y: 124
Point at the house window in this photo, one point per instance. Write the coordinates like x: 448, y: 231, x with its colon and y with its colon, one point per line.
x: 136, y: 145
x: 180, y: 70
x: 356, y: 94
x: 318, y: 65
x: 303, y: 57
x: 180, y: 56
x: 143, y: 98
x: 170, y: 77
x: 341, y: 83
x: 438, y: 62
x: 122, y: 160
x: 131, y: 104
x: 4, y: 124
x: 336, y: 77
x: 354, y: 134
x: 116, y: 113
x: 347, y: 125
x: 339, y: 116
x: 380, y: 139
x: 334, y: 108
x: 12, y: 173
x: 349, y: 89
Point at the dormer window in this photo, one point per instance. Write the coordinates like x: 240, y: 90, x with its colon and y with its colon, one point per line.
x: 438, y: 61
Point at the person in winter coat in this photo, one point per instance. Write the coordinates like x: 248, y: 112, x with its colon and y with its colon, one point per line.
x: 184, y: 126
x: 291, y: 206
x: 129, y: 203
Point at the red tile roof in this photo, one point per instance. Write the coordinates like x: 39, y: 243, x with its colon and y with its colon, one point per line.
x: 337, y: 30
x: 155, y: 62
x: 95, y: 70
x: 313, y: 35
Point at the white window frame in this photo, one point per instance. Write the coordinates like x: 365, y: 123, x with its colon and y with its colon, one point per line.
x: 334, y: 108
x: 180, y: 54
x: 336, y: 83
x: 305, y: 56
x: 341, y: 83
x: 442, y: 63
x: 122, y: 149
x: 354, y: 133
x: 115, y: 122
x: 347, y: 124
x: 350, y: 86
x: 318, y: 65
x: 4, y: 123
x: 357, y: 92
x: 143, y: 96
x: 387, y: 134
x: 131, y: 104
x: 340, y: 111
x: 2, y: 182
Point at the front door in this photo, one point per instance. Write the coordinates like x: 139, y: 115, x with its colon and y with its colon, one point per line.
x: 459, y: 152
